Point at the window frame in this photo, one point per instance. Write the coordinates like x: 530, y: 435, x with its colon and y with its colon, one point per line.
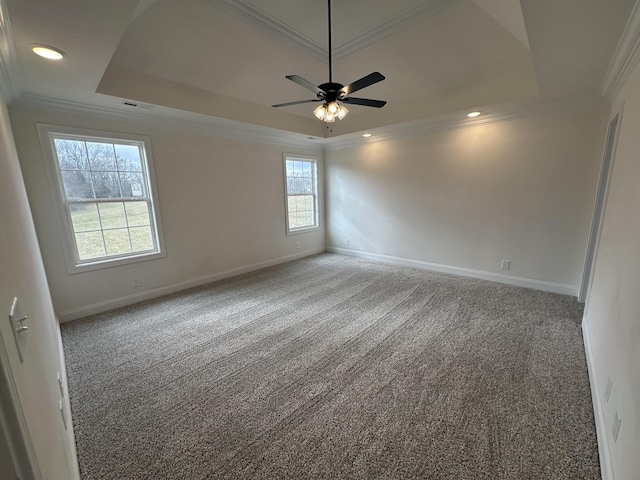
x: 314, y: 161
x: 48, y: 134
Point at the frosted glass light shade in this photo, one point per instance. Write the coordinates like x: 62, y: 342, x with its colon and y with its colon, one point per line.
x: 328, y: 112
x: 320, y: 112
x: 342, y: 112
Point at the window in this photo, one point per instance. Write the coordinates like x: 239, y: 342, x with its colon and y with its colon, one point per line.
x: 106, y: 196
x: 301, y: 184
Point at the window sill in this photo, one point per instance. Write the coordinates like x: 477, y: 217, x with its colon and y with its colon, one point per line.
x: 303, y: 230
x: 115, y: 262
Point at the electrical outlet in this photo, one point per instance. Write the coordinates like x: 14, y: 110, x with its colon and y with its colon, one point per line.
x: 617, y: 422
x: 607, y: 392
x: 505, y: 265
x: 346, y: 241
x: 135, y: 282
x: 297, y: 245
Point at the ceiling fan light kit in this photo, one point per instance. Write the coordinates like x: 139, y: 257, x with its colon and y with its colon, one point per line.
x: 330, y: 93
x: 329, y: 112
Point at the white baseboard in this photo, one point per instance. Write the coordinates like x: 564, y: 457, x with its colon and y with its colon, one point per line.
x: 465, y: 272
x: 176, y: 287
x: 598, y: 410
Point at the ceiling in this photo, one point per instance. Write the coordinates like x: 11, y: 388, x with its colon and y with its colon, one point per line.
x: 227, y: 59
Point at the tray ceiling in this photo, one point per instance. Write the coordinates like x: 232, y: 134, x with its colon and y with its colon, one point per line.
x: 228, y: 58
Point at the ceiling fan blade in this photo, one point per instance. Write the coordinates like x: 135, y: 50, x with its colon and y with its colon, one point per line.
x: 364, y: 82
x: 305, y: 83
x: 364, y: 101
x: 299, y: 102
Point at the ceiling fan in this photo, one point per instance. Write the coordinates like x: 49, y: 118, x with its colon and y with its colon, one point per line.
x: 331, y: 93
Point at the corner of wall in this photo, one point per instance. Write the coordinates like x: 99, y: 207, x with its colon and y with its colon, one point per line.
x: 562, y: 289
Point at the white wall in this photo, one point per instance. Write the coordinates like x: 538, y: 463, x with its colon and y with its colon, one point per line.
x: 612, y: 312
x: 521, y: 190
x: 222, y: 207
x: 22, y: 275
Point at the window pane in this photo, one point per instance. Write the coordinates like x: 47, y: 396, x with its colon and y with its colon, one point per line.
x: 308, y: 218
x: 137, y: 214
x: 117, y: 241
x: 132, y: 184
x: 300, y: 177
x: 90, y: 245
x: 106, y: 184
x: 112, y: 215
x: 101, y: 156
x: 128, y: 158
x: 303, y: 185
x: 77, y: 184
x: 307, y: 185
x: 84, y: 217
x: 298, y: 185
x: 72, y: 154
x: 301, y: 211
x: 141, y: 239
x: 293, y: 221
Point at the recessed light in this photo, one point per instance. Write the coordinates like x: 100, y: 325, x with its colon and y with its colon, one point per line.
x: 47, y: 52
x: 366, y: 135
x: 473, y: 114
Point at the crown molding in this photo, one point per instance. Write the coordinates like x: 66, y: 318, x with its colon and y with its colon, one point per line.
x: 176, y: 120
x: 391, y: 25
x: 9, y: 70
x: 172, y: 119
x: 270, y: 25
x: 626, y: 56
x: 492, y: 114
x: 244, y: 10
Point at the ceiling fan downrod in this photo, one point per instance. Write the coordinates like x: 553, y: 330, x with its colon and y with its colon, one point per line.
x: 329, y: 47
x: 330, y: 93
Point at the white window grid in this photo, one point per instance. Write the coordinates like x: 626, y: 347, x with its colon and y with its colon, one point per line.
x: 75, y: 264
x: 98, y: 200
x: 301, y: 184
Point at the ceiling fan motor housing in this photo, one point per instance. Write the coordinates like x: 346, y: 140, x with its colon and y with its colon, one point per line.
x: 332, y: 90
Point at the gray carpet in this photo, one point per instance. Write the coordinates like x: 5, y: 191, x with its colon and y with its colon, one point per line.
x: 335, y: 368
